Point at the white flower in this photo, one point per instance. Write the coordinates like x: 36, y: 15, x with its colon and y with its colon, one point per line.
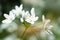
x: 9, y: 27
x: 18, y: 10
x: 12, y: 27
x: 46, y: 25
x: 30, y: 18
x: 9, y: 18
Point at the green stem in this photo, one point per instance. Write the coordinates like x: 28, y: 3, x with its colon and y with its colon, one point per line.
x: 24, y: 32
x: 26, y: 27
x: 26, y: 24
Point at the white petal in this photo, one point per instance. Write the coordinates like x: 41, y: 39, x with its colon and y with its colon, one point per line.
x: 27, y: 14
x: 21, y: 19
x: 28, y: 20
x: 21, y: 6
x: 49, y: 32
x: 23, y: 13
x: 6, y: 21
x: 18, y: 10
x: 11, y: 13
x: 36, y: 18
x: 13, y: 10
x: 6, y: 15
x: 32, y: 22
x: 43, y: 18
x: 33, y: 12
x: 16, y: 7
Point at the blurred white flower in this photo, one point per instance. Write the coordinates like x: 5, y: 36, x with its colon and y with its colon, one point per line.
x: 18, y: 10
x: 9, y: 27
x: 12, y: 27
x: 4, y: 26
x: 46, y: 25
x: 9, y: 18
x: 11, y: 37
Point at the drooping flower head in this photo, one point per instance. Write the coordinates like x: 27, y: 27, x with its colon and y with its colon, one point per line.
x: 46, y: 25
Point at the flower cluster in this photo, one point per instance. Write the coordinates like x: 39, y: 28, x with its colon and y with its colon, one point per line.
x: 22, y: 14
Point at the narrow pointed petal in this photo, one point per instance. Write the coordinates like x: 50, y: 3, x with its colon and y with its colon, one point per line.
x: 21, y: 19
x: 49, y: 32
x: 6, y: 15
x: 27, y: 14
x: 43, y: 18
x: 21, y: 6
x: 33, y: 12
x: 6, y: 21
